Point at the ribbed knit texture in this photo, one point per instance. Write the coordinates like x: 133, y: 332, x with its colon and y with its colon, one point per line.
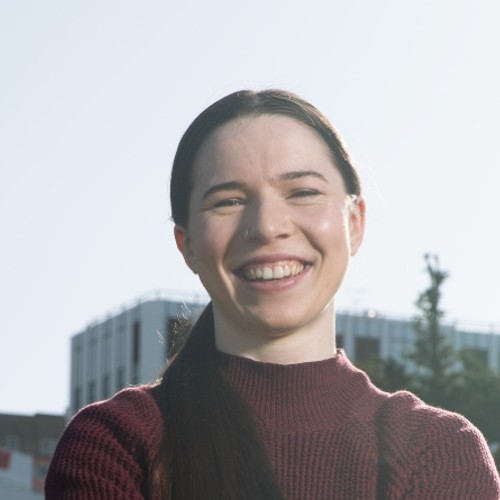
x: 330, y: 434
x: 333, y: 435
x: 106, y: 450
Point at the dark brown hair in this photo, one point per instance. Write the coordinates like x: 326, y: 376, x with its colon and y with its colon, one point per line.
x: 212, y: 448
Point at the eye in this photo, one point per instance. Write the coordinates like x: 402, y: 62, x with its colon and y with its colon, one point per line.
x: 304, y: 193
x: 228, y: 202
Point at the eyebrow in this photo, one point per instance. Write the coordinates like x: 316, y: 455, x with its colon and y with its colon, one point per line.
x: 287, y: 176
x: 223, y: 186
x: 297, y: 174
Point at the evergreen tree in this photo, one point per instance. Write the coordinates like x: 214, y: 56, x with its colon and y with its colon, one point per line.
x: 432, y: 354
x: 478, y: 395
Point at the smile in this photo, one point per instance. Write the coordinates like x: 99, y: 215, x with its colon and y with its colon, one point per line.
x: 274, y: 271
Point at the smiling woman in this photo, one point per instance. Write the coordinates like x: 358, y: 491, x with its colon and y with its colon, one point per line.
x: 259, y: 403
x: 270, y: 229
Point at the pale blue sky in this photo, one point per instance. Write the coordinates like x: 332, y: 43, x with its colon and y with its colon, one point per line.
x: 95, y: 95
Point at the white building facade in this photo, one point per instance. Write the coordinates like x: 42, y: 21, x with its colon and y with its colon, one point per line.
x: 125, y: 347
x: 129, y: 345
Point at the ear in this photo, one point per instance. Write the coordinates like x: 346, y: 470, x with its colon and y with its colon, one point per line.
x: 357, y: 224
x: 183, y: 241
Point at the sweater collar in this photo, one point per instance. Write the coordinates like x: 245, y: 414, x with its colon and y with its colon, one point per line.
x: 307, y: 396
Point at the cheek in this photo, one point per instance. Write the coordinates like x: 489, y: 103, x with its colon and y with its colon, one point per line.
x: 331, y: 228
x: 210, y: 240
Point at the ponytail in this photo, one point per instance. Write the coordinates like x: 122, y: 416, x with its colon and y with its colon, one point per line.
x: 211, y: 449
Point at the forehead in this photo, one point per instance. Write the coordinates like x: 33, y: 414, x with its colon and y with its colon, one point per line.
x: 260, y: 142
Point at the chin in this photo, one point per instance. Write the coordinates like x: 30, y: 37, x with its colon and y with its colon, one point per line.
x: 280, y: 325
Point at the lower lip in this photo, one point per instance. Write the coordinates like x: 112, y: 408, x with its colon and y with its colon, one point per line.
x: 273, y: 286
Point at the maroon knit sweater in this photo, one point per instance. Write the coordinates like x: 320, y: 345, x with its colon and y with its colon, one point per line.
x: 330, y: 433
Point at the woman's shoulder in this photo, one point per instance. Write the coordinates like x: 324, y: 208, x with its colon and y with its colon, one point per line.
x: 126, y: 403
x: 108, y: 447
x: 435, y: 451
x: 403, y: 412
x: 130, y: 413
x: 406, y: 420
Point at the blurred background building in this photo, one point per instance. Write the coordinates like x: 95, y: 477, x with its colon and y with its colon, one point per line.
x: 126, y: 346
x: 367, y: 335
x: 129, y: 345
x: 26, y: 446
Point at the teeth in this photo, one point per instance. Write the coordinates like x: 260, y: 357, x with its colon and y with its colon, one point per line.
x: 277, y: 272
x: 267, y: 273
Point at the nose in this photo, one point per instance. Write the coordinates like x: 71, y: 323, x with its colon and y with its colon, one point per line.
x: 266, y: 220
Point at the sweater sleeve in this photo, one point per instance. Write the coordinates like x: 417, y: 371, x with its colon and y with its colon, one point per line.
x: 106, y: 450
x: 432, y: 453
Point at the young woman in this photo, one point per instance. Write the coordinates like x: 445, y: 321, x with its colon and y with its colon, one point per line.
x: 259, y: 404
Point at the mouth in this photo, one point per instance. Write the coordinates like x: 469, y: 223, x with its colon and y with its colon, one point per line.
x: 272, y: 271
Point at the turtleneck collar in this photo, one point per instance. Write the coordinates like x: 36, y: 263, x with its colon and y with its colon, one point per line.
x: 302, y: 396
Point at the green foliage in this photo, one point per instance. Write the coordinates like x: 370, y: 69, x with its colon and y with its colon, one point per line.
x: 477, y: 395
x: 432, y: 355
x: 386, y: 374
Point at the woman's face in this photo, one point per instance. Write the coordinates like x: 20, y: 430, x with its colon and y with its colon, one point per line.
x: 271, y: 227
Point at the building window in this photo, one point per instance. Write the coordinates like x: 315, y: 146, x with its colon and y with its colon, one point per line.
x: 120, y: 378
x: 136, y: 342
x: 136, y: 351
x: 93, y: 352
x: 92, y: 392
x: 12, y: 442
x: 366, y: 348
x: 106, y: 354
x: 106, y: 386
x: 120, y: 343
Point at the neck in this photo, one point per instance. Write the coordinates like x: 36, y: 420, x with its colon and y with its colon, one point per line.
x: 312, y: 342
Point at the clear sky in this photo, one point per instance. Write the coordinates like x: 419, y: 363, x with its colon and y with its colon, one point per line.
x: 95, y: 95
